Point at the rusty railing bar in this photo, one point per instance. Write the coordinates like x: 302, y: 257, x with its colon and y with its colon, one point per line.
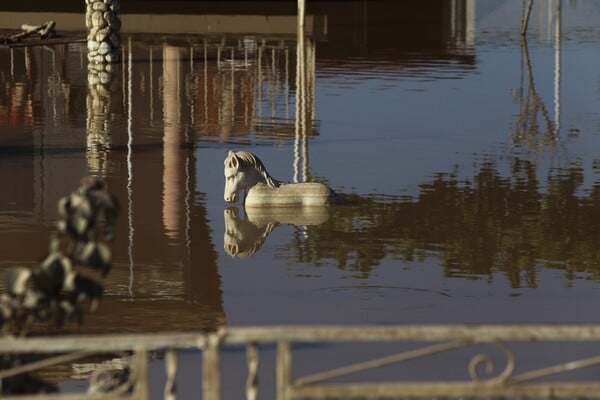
x: 419, y: 333
x: 447, y: 389
x: 380, y: 362
x: 69, y: 396
x: 47, y: 362
x: 108, y: 343
x: 270, y: 334
x: 555, y: 369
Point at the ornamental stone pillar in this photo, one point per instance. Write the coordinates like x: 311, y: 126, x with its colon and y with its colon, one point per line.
x: 103, y: 22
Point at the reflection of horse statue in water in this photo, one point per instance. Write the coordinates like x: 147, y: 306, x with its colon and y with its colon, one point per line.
x: 244, y: 171
x: 243, y: 237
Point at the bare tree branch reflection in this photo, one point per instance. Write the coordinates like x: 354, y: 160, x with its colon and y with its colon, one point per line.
x: 534, y: 129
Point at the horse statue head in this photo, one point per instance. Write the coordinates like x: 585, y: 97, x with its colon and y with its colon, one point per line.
x: 242, y: 171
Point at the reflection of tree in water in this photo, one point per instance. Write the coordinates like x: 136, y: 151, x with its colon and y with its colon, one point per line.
x: 534, y: 128
x: 477, y: 227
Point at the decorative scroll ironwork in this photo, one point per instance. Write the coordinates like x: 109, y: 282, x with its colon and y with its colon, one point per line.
x: 489, y: 365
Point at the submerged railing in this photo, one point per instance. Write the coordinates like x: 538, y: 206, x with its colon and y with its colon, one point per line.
x: 432, y: 339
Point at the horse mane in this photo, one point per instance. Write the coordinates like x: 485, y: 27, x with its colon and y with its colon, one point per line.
x: 248, y: 159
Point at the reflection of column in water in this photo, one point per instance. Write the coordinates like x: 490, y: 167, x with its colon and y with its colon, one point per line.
x: 305, y: 82
x: 301, y: 12
x: 309, y: 101
x: 205, y: 81
x: 131, y: 230
x: 550, y: 12
x: 300, y: 97
x: 462, y: 24
x: 172, y: 177
x: 557, y: 62
x: 259, y: 74
x: 287, y: 82
x: 102, y: 86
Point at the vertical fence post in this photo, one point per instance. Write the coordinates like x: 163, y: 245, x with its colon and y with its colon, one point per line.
x: 284, y: 370
x: 211, y: 369
x: 252, y: 356
x: 171, y: 372
x: 141, y: 391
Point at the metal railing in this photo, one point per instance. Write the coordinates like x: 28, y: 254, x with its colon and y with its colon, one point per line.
x: 434, y: 339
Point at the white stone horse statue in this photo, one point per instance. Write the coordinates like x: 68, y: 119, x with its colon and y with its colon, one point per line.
x: 244, y: 171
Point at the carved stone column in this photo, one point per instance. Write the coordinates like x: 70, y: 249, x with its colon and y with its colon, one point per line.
x: 103, y: 22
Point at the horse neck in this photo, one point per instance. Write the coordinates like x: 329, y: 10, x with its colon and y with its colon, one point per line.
x: 255, y: 176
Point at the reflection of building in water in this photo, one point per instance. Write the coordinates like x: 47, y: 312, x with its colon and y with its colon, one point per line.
x: 167, y: 92
x: 42, y: 88
x: 249, y: 90
x: 398, y: 32
x: 230, y: 88
x: 59, y: 124
x: 162, y: 264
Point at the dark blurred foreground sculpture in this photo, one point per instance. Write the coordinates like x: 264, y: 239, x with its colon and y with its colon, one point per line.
x: 54, y: 290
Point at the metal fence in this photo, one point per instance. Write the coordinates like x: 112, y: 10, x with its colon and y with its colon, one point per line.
x: 430, y: 340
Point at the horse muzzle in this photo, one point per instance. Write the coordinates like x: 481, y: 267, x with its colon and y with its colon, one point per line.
x: 232, y: 198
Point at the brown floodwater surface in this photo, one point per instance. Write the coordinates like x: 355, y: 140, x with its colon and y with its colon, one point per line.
x: 469, y: 158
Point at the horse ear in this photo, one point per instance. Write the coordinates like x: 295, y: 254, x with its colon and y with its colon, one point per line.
x: 234, y: 162
x: 231, y: 161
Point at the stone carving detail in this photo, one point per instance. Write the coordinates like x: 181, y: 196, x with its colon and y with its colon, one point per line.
x: 103, y: 21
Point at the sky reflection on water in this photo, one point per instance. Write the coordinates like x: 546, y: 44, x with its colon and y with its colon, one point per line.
x: 470, y: 159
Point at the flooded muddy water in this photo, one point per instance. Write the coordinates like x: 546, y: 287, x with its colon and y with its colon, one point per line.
x: 470, y: 159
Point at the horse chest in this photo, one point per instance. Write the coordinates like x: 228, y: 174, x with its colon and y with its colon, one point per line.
x: 295, y: 194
